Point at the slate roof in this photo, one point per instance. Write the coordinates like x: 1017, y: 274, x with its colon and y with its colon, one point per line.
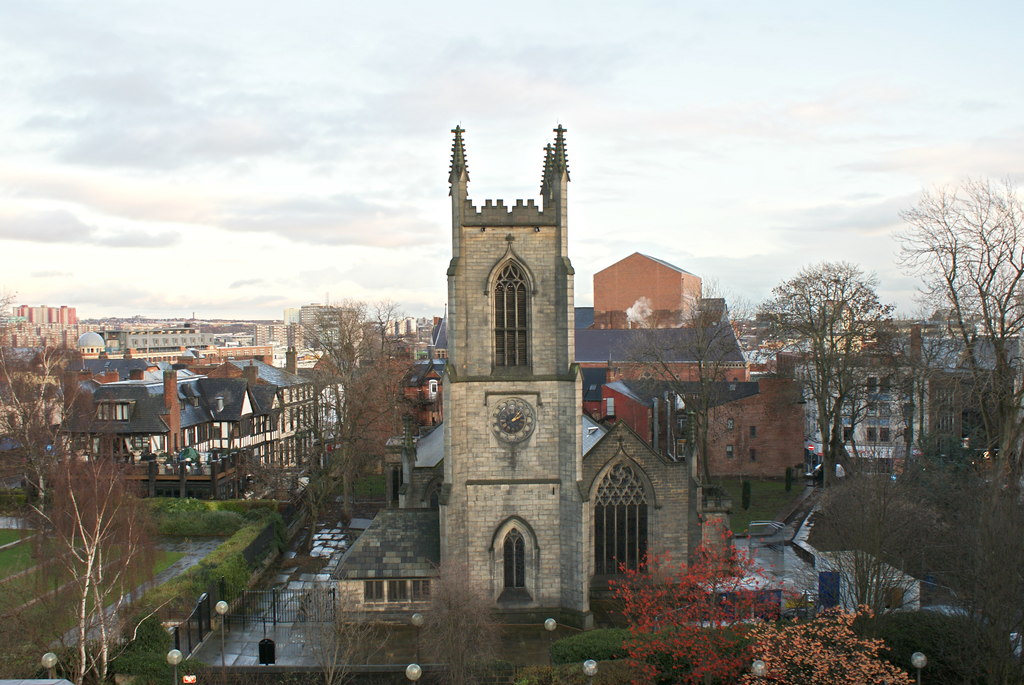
x: 269, y: 374
x: 420, y: 369
x: 400, y: 543
x: 232, y: 390
x: 591, y: 434
x: 147, y: 408
x: 584, y: 317
x: 124, y: 367
x: 430, y: 448
x: 675, y: 345
x: 664, y: 263
x: 439, y: 336
x: 593, y: 379
x: 719, y: 393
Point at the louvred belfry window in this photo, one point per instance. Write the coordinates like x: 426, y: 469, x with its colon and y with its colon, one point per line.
x: 511, y: 306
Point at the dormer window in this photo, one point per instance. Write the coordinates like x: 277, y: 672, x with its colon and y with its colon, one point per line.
x: 113, y: 411
x: 511, y: 309
x: 432, y: 388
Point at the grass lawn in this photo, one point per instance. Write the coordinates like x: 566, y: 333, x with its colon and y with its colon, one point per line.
x: 165, y: 558
x: 8, y: 535
x: 16, y: 558
x: 767, y: 499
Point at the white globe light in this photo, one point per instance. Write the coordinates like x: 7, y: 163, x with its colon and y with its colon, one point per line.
x: 221, y: 607
x: 590, y: 667
x: 49, y: 660
x: 413, y: 672
x: 174, y: 657
x: 918, y: 660
x: 416, y: 619
x: 550, y: 624
x: 758, y: 668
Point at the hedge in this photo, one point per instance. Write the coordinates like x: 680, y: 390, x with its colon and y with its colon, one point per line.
x: 608, y: 673
x: 145, y: 657
x: 600, y: 645
x: 187, y: 517
x: 955, y: 647
x: 227, y: 561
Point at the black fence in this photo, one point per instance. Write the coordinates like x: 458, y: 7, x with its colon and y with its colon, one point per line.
x: 314, y: 605
x: 189, y: 634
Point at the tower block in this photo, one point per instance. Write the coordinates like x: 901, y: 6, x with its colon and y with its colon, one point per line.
x: 511, y: 507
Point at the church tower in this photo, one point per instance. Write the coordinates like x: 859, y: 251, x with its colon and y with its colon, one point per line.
x: 511, y: 505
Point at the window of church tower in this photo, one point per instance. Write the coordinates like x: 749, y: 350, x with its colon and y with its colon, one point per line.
x: 515, y: 561
x: 510, y: 317
x: 620, y: 521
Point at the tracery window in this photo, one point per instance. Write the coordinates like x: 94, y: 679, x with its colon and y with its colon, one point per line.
x: 510, y: 317
x: 515, y: 562
x: 620, y: 521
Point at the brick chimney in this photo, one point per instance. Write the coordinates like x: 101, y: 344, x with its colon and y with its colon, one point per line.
x: 916, y: 342
x: 136, y: 374
x: 172, y: 409
x: 251, y: 374
x: 291, y: 363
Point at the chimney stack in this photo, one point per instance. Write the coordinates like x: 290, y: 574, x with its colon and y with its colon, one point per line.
x: 173, y: 410
x: 136, y: 374
x: 291, y: 364
x: 251, y: 374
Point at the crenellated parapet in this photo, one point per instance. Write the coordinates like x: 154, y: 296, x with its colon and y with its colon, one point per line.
x: 496, y: 213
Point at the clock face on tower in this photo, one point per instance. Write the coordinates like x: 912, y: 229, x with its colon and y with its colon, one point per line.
x: 513, y: 420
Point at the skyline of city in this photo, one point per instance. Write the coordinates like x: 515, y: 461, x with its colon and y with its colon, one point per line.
x: 166, y: 161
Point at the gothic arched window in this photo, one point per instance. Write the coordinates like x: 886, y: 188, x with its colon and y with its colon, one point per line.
x: 620, y: 521
x: 511, y: 307
x: 515, y: 561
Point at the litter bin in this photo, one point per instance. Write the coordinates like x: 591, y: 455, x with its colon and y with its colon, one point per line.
x: 267, y: 651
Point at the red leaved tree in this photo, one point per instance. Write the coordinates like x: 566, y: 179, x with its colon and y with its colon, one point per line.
x: 825, y: 651
x: 688, y: 623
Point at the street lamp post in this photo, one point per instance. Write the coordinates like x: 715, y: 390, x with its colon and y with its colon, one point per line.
x: 49, y: 661
x: 549, y: 625
x: 221, y: 608
x: 174, y: 658
x: 413, y: 672
x: 918, y: 661
x: 417, y: 622
x: 590, y: 669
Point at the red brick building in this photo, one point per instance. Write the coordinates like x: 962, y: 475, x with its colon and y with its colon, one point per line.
x: 755, y: 428
x: 645, y: 291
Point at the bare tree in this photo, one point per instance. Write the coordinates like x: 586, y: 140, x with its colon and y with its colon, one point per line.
x: 831, y: 316
x: 871, y: 530
x: 359, y: 392
x: 340, y: 636
x: 459, y: 628
x: 706, y: 340
x: 97, y: 532
x: 34, y: 401
x: 966, y: 243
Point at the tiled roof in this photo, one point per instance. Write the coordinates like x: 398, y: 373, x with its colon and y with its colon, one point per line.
x: 400, y: 543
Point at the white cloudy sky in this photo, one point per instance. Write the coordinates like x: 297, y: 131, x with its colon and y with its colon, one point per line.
x: 234, y: 158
